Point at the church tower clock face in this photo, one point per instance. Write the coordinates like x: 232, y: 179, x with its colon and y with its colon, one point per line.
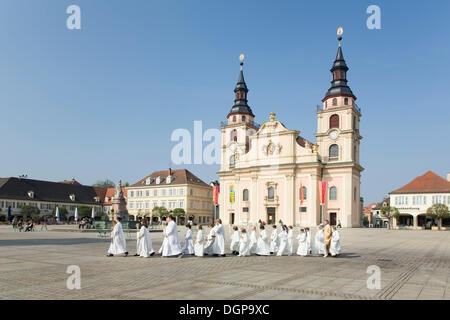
x: 334, y: 134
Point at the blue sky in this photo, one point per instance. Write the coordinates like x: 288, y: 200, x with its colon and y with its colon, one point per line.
x: 102, y: 102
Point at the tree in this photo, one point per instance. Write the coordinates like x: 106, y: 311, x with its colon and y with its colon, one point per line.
x: 390, y: 213
x: 104, y: 183
x: 84, y: 211
x: 438, y: 211
x: 365, y: 221
x: 160, y: 211
x: 178, y: 212
x: 30, y: 212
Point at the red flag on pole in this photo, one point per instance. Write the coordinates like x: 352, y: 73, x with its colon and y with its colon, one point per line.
x: 324, y: 191
x: 302, y: 196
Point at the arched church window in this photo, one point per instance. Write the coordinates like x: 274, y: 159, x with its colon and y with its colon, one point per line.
x: 334, y: 151
x: 334, y: 121
x: 346, y: 101
x: 271, y: 193
x: 245, y: 195
x: 233, y: 135
x: 334, y: 101
x: 333, y: 193
x: 243, y: 118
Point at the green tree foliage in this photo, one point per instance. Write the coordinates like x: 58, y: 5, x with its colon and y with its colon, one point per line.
x: 84, y: 211
x: 438, y: 211
x: 390, y: 213
x: 104, y: 183
x: 160, y: 211
x: 30, y: 212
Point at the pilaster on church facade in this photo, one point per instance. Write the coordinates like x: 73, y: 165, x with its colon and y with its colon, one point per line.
x: 270, y: 173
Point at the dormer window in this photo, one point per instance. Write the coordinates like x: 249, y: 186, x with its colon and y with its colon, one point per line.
x: 30, y: 194
x: 169, y: 179
x: 158, y: 180
x: 148, y: 181
x: 96, y: 199
x: 72, y: 197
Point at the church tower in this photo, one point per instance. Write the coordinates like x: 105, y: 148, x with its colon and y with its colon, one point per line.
x: 240, y: 125
x: 338, y: 139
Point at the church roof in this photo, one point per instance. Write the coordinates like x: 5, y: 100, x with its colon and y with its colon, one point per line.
x: 339, y: 85
x: 430, y: 182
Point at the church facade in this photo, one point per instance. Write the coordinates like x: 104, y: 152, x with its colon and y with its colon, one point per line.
x: 269, y: 173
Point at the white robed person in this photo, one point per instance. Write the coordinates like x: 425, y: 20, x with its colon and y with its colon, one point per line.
x: 244, y: 248
x: 171, y: 247
x: 274, y: 241
x: 335, y: 244
x: 208, y: 248
x: 118, y: 244
x: 253, y: 241
x: 199, y: 243
x: 188, y: 247
x: 283, y: 241
x: 302, y: 244
x: 308, y: 240
x: 263, y: 245
x: 144, y: 241
x: 235, y: 239
x: 219, y: 243
x: 290, y: 239
x: 318, y: 247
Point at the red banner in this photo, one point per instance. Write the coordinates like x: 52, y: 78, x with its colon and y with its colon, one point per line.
x: 216, y: 195
x: 302, y: 196
x: 323, y: 191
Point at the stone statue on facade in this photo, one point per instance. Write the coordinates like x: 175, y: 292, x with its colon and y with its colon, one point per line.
x: 119, y: 193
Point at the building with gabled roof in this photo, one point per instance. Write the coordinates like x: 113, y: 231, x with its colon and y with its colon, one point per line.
x: 415, y: 197
x: 171, y: 189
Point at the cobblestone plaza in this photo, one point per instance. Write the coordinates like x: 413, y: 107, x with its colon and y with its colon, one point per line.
x: 414, y: 265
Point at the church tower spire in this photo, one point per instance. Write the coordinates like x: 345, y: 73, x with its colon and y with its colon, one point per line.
x: 339, y: 87
x: 241, y: 111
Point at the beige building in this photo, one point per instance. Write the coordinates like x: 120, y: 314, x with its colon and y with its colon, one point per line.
x: 172, y: 189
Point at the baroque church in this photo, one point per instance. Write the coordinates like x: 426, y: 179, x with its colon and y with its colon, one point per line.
x: 271, y: 174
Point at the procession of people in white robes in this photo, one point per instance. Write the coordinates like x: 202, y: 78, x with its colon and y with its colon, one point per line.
x: 199, y: 243
x: 144, y: 246
x: 188, y: 247
x: 118, y: 242
x: 326, y: 241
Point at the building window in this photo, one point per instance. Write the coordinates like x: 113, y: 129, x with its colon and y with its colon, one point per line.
x: 234, y: 118
x: 354, y: 193
x: 346, y: 101
x: 305, y: 192
x: 131, y: 194
x: 243, y: 118
x: 333, y: 193
x: 155, y: 193
x: 334, y: 151
x: 334, y: 121
x: 232, y: 160
x: 245, y: 195
x: 271, y: 193
x: 191, y: 192
x: 233, y: 135
x: 334, y: 102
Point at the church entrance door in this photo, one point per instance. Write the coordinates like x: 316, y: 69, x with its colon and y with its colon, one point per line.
x: 333, y: 218
x: 231, y: 218
x: 271, y: 216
